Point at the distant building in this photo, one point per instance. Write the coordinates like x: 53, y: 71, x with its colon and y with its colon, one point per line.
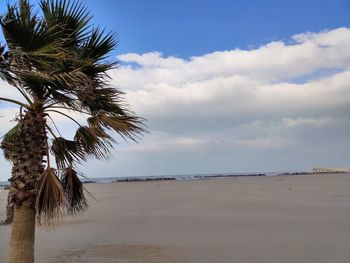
x: 330, y: 170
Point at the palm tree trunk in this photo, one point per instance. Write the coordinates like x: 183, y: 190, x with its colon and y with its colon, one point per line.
x: 23, y: 234
x: 27, y: 167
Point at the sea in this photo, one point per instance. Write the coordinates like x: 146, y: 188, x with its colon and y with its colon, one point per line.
x: 104, y: 180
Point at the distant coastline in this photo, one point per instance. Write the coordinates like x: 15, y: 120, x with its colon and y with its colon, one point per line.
x: 209, y: 176
x: 203, y: 176
x: 185, y: 177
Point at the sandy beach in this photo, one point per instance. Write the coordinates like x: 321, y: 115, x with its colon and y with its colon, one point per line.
x: 289, y: 219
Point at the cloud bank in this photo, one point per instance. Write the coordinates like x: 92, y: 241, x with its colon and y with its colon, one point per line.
x: 282, y: 106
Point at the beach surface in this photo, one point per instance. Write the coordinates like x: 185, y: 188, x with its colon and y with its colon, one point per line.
x: 289, y: 219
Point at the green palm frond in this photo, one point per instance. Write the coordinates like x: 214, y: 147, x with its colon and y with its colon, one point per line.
x: 74, y: 191
x: 66, y: 100
x: 127, y: 126
x: 94, y: 141
x: 66, y: 152
x: 24, y: 29
x: 98, y: 99
x: 98, y: 45
x: 72, y: 17
x: 88, y: 142
x: 48, y: 84
x: 9, y: 140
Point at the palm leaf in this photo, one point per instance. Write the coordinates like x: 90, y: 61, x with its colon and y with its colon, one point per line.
x: 25, y: 30
x: 8, y: 143
x: 127, y: 126
x: 98, y: 45
x: 98, y: 99
x: 72, y: 16
x: 94, y: 141
x: 47, y: 84
x: 74, y: 191
x: 66, y: 152
x: 50, y: 199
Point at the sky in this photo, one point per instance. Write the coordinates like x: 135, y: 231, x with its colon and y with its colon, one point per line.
x: 226, y: 86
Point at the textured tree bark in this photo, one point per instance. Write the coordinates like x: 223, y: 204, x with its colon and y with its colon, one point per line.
x: 27, y: 167
x: 23, y: 233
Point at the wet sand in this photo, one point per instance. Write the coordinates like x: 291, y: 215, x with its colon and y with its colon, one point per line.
x: 289, y: 219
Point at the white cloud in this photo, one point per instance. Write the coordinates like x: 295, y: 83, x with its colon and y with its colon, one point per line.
x: 240, y: 82
x: 8, y: 91
x: 7, y: 116
x: 275, y: 61
x: 276, y: 90
x: 323, y: 121
x: 170, y: 144
x: 262, y: 143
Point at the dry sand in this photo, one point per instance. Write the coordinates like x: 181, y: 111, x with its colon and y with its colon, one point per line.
x: 285, y: 219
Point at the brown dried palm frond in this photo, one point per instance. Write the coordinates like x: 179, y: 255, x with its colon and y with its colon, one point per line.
x: 74, y: 191
x: 50, y: 199
x: 66, y: 152
x: 126, y: 125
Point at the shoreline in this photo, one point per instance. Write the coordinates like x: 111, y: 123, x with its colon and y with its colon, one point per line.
x: 4, y: 185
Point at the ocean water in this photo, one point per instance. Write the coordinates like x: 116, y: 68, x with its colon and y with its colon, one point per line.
x: 179, y: 177
x: 187, y: 177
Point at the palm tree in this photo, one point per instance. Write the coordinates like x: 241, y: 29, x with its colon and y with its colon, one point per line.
x: 58, y: 63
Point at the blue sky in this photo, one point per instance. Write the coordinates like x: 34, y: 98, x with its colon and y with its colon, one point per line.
x: 226, y: 86
x: 194, y: 27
